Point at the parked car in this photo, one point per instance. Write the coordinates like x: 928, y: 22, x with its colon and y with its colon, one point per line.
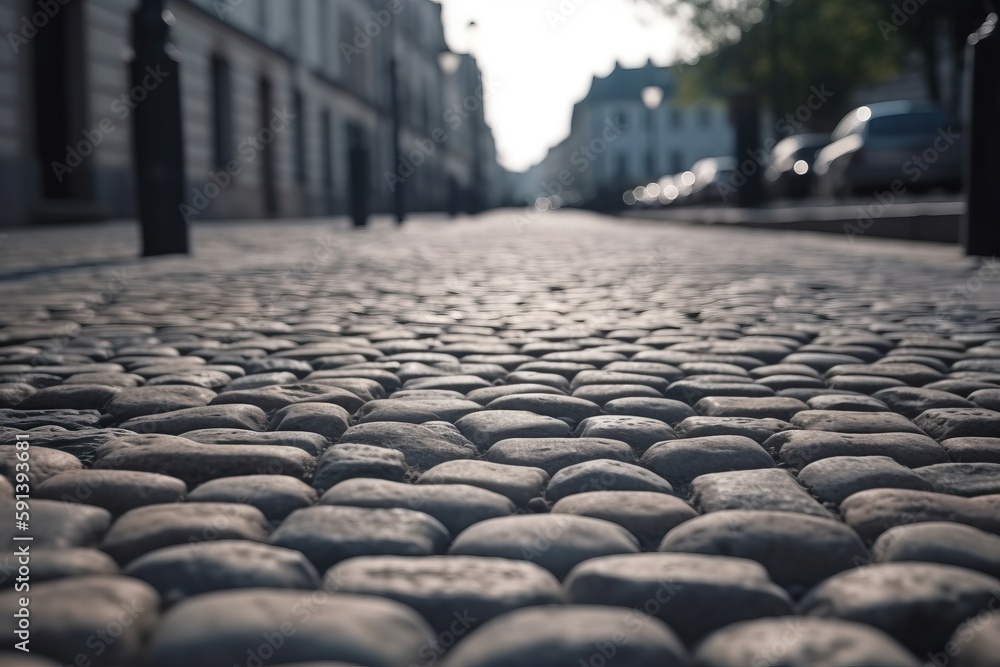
x: 874, y: 147
x: 712, y: 180
x: 790, y: 169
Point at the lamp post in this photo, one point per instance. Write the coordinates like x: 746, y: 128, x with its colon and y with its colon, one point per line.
x: 157, y: 133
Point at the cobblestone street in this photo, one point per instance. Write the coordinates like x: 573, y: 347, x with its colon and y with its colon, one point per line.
x: 547, y: 440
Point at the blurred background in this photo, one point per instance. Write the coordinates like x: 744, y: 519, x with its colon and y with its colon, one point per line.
x: 299, y: 108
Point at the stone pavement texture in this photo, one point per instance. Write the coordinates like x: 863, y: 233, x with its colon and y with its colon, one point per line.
x: 572, y: 442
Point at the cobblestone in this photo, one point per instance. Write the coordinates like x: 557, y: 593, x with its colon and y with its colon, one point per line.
x: 474, y: 419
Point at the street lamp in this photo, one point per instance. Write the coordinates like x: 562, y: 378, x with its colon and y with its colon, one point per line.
x: 158, y: 140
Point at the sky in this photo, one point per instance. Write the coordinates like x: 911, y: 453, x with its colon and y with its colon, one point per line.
x: 538, y: 58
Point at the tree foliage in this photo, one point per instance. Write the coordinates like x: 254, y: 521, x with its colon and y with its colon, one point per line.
x: 783, y: 48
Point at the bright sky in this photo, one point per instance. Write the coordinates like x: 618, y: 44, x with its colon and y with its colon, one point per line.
x: 538, y: 58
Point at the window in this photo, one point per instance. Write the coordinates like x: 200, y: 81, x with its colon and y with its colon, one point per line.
x: 651, y: 163
x: 222, y: 121
x: 704, y: 117
x: 621, y: 120
x: 677, y: 161
x: 298, y: 103
x: 676, y: 118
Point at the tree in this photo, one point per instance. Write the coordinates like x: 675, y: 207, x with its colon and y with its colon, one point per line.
x: 786, y: 48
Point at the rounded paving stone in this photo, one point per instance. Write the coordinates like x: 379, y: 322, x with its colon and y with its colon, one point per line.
x: 554, y: 454
x: 681, y: 461
x: 450, y: 592
x: 71, y: 396
x: 456, y: 506
x: 558, y: 637
x: 566, y: 408
x: 143, y: 401
x: 103, y: 621
x: 521, y: 484
x: 276, y: 397
x: 157, y: 526
x: 769, y: 489
x: 940, y: 542
x: 797, y: 641
x: 963, y: 479
x: 976, y: 643
x: 640, y: 433
x: 187, y: 570
x: 347, y: 461
x: 416, y: 409
x: 875, y: 511
x: 757, y: 430
x: 912, y: 401
x: 247, y: 417
x: 776, y: 407
x: 665, y: 410
x: 604, y: 475
x: 58, y: 525
x: 312, y: 443
x: 842, y: 421
x: 946, y: 423
x: 557, y: 542
x: 423, y: 445
x: 973, y: 450
x: 196, y: 464
x: 328, y: 534
x: 486, y: 428
x: 44, y: 464
x: 848, y: 403
x: 326, y: 419
x: 61, y: 563
x: 835, y: 479
x: 798, y: 449
x: 117, y: 491
x: 276, y: 496
x: 693, y: 594
x: 919, y: 604
x: 798, y: 550
x: 648, y: 516
x: 238, y: 627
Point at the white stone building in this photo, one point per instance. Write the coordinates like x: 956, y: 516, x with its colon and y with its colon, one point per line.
x: 630, y: 129
x: 315, y: 71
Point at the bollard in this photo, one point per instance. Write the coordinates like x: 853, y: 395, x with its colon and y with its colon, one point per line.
x: 360, y: 184
x: 744, y: 113
x: 980, y: 233
x: 158, y: 142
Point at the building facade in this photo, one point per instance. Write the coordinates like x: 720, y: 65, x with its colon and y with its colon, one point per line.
x: 275, y: 95
x: 631, y: 128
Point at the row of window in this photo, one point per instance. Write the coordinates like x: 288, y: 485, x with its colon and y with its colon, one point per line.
x: 703, y: 115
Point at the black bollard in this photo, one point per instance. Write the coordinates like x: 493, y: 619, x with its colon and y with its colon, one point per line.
x: 744, y: 113
x: 360, y: 184
x: 980, y: 226
x: 399, y: 194
x: 157, y: 134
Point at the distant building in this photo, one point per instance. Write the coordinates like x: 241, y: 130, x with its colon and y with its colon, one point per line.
x: 313, y: 72
x: 630, y: 129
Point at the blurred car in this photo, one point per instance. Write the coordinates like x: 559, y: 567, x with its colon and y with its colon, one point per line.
x: 874, y: 146
x: 790, y: 169
x: 712, y: 180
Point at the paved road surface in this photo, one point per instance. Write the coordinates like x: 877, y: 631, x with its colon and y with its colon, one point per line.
x: 513, y: 440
